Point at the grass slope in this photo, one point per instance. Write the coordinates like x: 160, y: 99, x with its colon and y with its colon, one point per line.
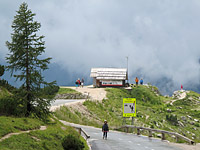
x: 152, y: 111
x: 66, y: 91
x: 50, y: 138
x: 4, y: 92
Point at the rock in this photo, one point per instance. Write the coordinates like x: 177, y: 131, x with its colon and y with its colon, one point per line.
x: 189, y: 117
x: 196, y: 120
x: 183, y: 118
x: 180, y: 124
x: 179, y: 107
x: 169, y: 110
x: 193, y: 134
x: 166, y: 96
x: 192, y: 122
x: 188, y: 132
x: 195, y: 129
x: 190, y: 98
x: 71, y: 96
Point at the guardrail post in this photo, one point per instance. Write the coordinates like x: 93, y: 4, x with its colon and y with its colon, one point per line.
x: 163, y: 136
x: 126, y: 129
x: 138, y: 131
x: 150, y: 133
x: 79, y: 131
x: 177, y: 139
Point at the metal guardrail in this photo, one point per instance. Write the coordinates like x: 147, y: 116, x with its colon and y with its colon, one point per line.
x: 80, y: 130
x: 163, y: 132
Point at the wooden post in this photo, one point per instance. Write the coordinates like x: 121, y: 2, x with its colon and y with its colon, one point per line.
x: 79, y: 130
x: 163, y: 136
x: 126, y: 129
x: 177, y: 139
x: 138, y: 131
x: 150, y: 133
x: 132, y: 121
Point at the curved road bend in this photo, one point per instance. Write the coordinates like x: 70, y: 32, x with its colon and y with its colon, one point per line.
x: 64, y: 102
x: 122, y: 141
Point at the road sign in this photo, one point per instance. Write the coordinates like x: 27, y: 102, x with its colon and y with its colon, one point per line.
x: 129, y: 107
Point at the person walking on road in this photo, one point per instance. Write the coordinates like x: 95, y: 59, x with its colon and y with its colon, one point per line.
x: 105, y: 129
x: 136, y: 81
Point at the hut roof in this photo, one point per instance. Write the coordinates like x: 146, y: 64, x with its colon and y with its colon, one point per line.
x: 109, y: 73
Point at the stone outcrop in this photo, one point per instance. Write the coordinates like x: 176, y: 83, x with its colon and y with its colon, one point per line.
x: 72, y: 96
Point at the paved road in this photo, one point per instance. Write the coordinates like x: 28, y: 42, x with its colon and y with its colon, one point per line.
x: 122, y: 141
x: 64, y: 102
x: 58, y: 102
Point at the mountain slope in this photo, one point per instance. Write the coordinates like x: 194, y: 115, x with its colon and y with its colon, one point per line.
x: 153, y: 110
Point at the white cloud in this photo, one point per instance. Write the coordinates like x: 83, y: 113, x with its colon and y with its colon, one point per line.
x: 161, y: 38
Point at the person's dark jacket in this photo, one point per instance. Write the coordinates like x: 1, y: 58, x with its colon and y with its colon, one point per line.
x: 105, y: 127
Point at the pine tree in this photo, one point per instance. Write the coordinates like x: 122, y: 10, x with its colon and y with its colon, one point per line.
x: 25, y: 48
x: 2, y: 69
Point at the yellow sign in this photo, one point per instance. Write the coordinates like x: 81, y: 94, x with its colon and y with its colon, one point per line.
x: 129, y: 107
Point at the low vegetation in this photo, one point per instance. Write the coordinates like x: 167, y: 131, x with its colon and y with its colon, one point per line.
x: 153, y: 110
x: 12, y: 120
x: 66, y: 91
x: 51, y: 138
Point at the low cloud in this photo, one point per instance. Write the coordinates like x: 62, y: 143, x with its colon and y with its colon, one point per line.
x: 160, y: 38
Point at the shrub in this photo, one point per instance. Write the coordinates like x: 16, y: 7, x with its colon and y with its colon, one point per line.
x: 11, y: 105
x: 51, y: 89
x: 172, y: 118
x: 71, y: 142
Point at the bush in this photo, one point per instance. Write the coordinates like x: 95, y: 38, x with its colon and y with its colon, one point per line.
x: 11, y: 105
x: 51, y: 89
x: 172, y: 118
x: 71, y: 142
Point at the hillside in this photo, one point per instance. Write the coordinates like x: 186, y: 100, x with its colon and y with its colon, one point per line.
x: 175, y: 114
x: 29, y: 133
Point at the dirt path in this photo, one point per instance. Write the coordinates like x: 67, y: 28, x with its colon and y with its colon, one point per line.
x: 180, y: 97
x: 94, y: 93
x: 10, y: 134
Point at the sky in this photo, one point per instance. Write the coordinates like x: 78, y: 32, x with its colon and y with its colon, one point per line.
x: 160, y: 37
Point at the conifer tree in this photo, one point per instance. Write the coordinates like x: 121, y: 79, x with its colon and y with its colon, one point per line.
x: 2, y: 69
x: 24, y: 63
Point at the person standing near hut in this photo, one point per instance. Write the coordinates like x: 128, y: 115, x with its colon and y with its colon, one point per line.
x: 141, y: 81
x: 105, y: 129
x: 79, y: 82
x: 82, y: 82
x: 136, y: 81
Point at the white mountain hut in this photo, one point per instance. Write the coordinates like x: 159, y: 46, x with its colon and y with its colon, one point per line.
x: 109, y: 77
